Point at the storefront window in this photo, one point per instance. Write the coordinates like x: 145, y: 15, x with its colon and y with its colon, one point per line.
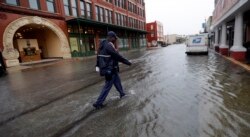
x: 126, y: 43
x: 50, y: 5
x: 73, y: 44
x: 120, y: 43
x: 12, y: 2
x: 34, y: 4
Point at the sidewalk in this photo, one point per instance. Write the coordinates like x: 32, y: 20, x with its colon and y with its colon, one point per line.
x: 240, y: 63
x: 49, y: 98
x: 33, y: 64
x: 49, y: 62
x: 28, y: 88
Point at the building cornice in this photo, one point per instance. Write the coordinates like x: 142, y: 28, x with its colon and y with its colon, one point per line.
x: 81, y: 20
x: 230, y: 13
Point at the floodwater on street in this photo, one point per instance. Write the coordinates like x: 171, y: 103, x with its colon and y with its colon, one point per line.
x: 174, y: 95
x: 169, y: 94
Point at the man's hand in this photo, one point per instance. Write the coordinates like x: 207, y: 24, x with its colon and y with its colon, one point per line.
x: 129, y: 63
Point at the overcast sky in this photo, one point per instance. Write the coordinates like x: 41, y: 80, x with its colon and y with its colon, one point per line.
x: 179, y: 16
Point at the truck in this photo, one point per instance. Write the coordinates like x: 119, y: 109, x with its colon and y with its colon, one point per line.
x: 197, y: 44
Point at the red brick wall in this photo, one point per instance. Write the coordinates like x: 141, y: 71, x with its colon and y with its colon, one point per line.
x: 5, y: 19
x: 10, y: 13
x: 148, y: 28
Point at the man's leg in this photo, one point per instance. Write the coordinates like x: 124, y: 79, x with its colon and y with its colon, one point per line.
x: 105, y: 91
x: 118, y: 85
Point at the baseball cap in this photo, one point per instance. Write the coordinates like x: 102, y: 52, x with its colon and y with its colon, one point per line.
x: 112, y: 34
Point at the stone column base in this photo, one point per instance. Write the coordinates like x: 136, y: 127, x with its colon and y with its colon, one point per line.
x: 223, y: 51
x: 12, y: 62
x: 238, y: 55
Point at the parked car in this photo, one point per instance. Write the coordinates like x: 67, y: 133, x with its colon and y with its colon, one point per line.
x: 197, y: 44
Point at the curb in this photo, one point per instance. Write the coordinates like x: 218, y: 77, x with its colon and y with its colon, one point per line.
x: 243, y: 65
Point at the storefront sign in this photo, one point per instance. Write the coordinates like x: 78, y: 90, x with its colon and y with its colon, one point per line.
x: 73, y: 44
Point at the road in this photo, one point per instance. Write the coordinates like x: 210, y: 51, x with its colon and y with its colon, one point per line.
x: 169, y: 94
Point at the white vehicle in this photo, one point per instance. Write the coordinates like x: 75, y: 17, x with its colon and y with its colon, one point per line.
x: 197, y: 44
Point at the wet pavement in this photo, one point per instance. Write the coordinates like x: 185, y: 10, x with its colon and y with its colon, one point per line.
x: 170, y: 94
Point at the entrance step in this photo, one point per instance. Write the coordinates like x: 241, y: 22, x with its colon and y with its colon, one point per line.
x: 39, y: 62
x: 32, y: 64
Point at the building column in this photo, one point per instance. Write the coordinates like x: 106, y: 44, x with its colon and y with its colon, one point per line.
x: 216, y: 42
x: 223, y: 49
x: 238, y: 52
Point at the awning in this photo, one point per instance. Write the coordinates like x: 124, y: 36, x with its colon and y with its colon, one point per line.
x: 82, y: 21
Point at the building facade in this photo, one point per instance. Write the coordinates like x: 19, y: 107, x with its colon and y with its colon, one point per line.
x: 93, y: 19
x: 32, y: 30
x: 171, y: 39
x: 231, y: 27
x: 174, y: 39
x: 155, y: 35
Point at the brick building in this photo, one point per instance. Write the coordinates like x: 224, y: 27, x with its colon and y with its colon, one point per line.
x: 38, y: 29
x: 155, y: 35
x: 231, y: 27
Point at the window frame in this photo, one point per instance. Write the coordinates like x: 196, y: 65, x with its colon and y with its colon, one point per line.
x: 101, y: 11
x: 17, y: 3
x: 106, y: 12
x: 97, y: 13
x: 110, y: 1
x: 89, y: 11
x: 54, y: 5
x: 111, y: 16
x: 37, y: 2
x: 68, y: 8
x: 83, y: 9
x: 74, y: 9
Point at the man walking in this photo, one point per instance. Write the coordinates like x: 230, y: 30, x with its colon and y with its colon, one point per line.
x: 107, y: 61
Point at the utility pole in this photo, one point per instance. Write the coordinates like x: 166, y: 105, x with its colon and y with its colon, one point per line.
x: 205, y: 26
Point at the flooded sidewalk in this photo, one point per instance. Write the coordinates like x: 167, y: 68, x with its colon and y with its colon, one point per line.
x: 27, y: 88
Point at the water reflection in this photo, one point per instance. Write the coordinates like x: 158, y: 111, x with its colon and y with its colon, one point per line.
x: 220, y: 104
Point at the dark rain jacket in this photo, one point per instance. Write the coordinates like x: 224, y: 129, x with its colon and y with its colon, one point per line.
x: 108, y: 58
